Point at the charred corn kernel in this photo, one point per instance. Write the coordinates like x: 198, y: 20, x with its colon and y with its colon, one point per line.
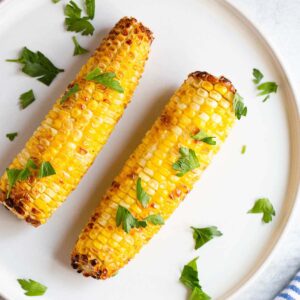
x: 74, y: 132
x: 165, y: 188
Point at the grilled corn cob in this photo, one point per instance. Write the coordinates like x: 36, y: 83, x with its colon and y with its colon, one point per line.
x: 73, y: 132
x: 202, y: 103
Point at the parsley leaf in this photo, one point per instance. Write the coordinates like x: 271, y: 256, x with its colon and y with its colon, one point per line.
x: 142, y: 196
x: 55, y: 1
x: 244, y: 148
x: 46, y: 170
x: 26, y: 99
x: 202, y: 136
x: 32, y: 288
x: 239, y: 107
x: 90, y: 8
x: 78, y: 50
x: 264, y: 206
x: 198, y: 294
x: 37, y: 65
x: 203, y: 235
x: 267, y: 88
x: 258, y: 76
x: 188, y: 161
x: 11, y: 136
x: 155, y: 219
x: 106, y: 79
x: 75, y: 22
x: 73, y: 90
x: 189, y: 277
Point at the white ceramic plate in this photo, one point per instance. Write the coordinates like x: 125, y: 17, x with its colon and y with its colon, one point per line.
x: 190, y: 35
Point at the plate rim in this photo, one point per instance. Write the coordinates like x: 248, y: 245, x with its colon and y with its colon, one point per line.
x: 261, y: 265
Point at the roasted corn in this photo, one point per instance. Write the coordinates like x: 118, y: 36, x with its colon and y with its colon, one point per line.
x: 78, y: 126
x: 203, y: 104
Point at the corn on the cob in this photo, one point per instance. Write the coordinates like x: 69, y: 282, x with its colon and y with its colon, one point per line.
x: 204, y: 103
x: 74, y: 131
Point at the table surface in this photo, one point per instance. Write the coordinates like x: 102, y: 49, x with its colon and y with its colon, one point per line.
x: 279, y: 21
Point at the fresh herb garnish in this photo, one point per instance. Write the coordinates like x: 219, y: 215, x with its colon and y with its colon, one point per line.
x: 90, y: 8
x: 187, y: 161
x: 73, y: 90
x: 203, y: 235
x: 189, y: 277
x: 267, y: 88
x: 75, y: 22
x: 55, y: 1
x: 244, y: 148
x: 78, y: 50
x: 26, y: 99
x: 32, y: 288
x: 46, y: 170
x: 107, y: 79
x: 265, y: 207
x: 239, y: 107
x: 258, y: 76
x: 142, y: 196
x: 128, y: 221
x: 37, y: 65
x: 202, y: 136
x: 11, y: 136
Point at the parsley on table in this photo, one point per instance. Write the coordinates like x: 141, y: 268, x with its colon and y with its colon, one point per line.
x: 55, y: 1
x: 75, y: 22
x: 264, y: 206
x: 11, y: 136
x: 90, y: 8
x: 258, y: 76
x: 189, y: 277
x: 32, y: 288
x: 187, y: 161
x: 73, y: 90
x: 78, y: 50
x: 26, y: 99
x: 142, y: 196
x: 46, y: 170
x: 203, y: 235
x: 244, y: 148
x: 267, y: 88
x: 203, y: 137
x: 107, y: 79
x: 37, y: 65
x: 128, y: 221
x: 239, y: 107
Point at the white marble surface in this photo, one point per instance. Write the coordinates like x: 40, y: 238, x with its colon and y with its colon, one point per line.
x: 279, y: 20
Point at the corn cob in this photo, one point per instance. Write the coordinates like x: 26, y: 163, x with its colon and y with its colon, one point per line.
x: 204, y: 103
x: 73, y: 132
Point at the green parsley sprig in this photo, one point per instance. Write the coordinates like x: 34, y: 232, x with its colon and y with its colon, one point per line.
x: 78, y: 50
x: 187, y: 161
x: 32, y: 288
x: 37, y: 65
x: 72, y: 91
x: 90, y: 8
x: 203, y: 235
x: 142, y: 196
x: 239, y: 107
x: 26, y: 99
x: 203, y: 137
x: 107, y: 79
x: 11, y: 136
x: 264, y: 206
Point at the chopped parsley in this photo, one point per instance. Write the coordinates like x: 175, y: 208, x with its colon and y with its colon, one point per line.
x: 239, y: 107
x: 11, y: 136
x: 128, y: 221
x: 46, y: 170
x: 55, y: 1
x: 244, y: 148
x: 189, y: 277
x: 203, y: 235
x: 75, y: 22
x: 32, y: 288
x: 142, y: 196
x: 90, y: 8
x: 26, y: 99
x: 73, y: 90
x: 107, y: 79
x: 187, y: 161
x: 265, y: 207
x: 37, y: 65
x: 203, y: 137
x: 258, y: 76
x: 78, y: 50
